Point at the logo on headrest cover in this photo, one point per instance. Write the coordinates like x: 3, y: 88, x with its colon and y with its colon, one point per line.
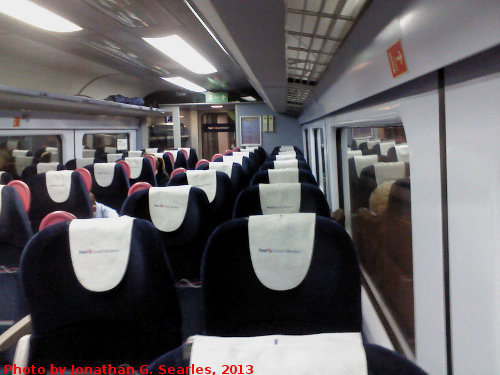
x: 102, y: 251
x: 279, y: 251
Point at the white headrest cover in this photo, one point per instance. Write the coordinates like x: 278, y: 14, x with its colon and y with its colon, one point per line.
x: 22, y: 162
x: 389, y: 171
x: 104, y: 173
x: 135, y: 166
x: 58, y: 185
x: 205, y: 180
x: 286, y: 156
x: 168, y: 206
x: 403, y: 153
x: 244, y: 153
x: 45, y: 167
x: 351, y: 153
x: 283, y: 175
x: 111, y: 158
x: 234, y: 159
x: 80, y: 163
x: 370, y: 144
x: 286, y: 148
x: 287, y: 153
x: 110, y: 150
x: 88, y: 153
x: 19, y: 152
x: 361, y: 162
x: 385, y: 146
x: 225, y: 167
x: 174, y: 153
x: 250, y: 148
x: 281, y: 248
x: 152, y: 150
x: 280, y: 198
x: 282, y: 164
x: 339, y: 353
x: 135, y: 154
x: 187, y: 149
x: 100, y: 251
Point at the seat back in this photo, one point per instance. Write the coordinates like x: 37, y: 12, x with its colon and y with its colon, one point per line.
x: 110, y: 184
x: 235, y: 172
x: 279, y: 149
x: 58, y: 191
x: 192, y: 158
x: 259, y: 293
x: 356, y: 165
x: 79, y: 163
x: 399, y: 153
x: 182, y: 216
x: 265, y: 199
x: 271, y: 176
x: 40, y: 168
x: 141, y: 170
x: 5, y: 178
x: 282, y: 164
x: 216, y: 185
x: 99, y: 292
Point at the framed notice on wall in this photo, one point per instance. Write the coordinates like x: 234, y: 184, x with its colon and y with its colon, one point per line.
x: 250, y: 130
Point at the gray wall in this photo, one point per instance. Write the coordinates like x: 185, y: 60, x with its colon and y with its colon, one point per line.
x: 287, y: 130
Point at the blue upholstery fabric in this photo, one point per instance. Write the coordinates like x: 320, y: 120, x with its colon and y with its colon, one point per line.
x: 237, y: 304
x: 222, y: 205
x: 71, y: 164
x: 184, y: 246
x: 312, y: 200
x: 380, y: 361
x: 6, y: 178
x: 262, y: 177
x: 78, y: 202
x: 30, y: 171
x: 147, y: 174
x: 270, y: 165
x: 193, y: 159
x: 15, y: 228
x: 248, y: 166
x: 276, y: 150
x: 239, y: 178
x: 180, y: 161
x: 358, y: 198
x: 115, y: 194
x: 132, y: 323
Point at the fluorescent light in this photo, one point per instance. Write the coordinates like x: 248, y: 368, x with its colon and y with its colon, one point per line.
x: 182, y: 82
x: 217, y: 106
x: 177, y: 49
x: 35, y: 15
x: 248, y: 98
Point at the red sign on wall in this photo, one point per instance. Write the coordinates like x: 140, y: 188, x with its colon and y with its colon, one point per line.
x: 16, y: 122
x: 397, y: 59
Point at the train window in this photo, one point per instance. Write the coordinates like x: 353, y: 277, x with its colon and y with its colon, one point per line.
x: 161, y: 135
x: 17, y: 152
x: 306, y: 144
x: 185, y: 116
x: 379, y: 180
x: 104, y: 142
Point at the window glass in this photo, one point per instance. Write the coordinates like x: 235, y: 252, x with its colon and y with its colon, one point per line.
x: 99, y: 143
x: 161, y: 135
x: 306, y: 137
x: 379, y: 180
x: 185, y: 116
x: 218, y: 129
x: 17, y: 152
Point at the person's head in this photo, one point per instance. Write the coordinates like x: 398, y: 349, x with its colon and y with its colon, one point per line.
x: 93, y: 201
x: 46, y: 157
x: 380, y: 198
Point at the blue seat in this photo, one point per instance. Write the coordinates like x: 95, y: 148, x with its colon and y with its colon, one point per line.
x: 249, y: 168
x: 120, y: 309
x: 192, y: 157
x: 302, y: 176
x: 112, y: 184
x: 39, y: 168
x: 73, y: 197
x: 79, y: 163
x: 398, y: 152
x: 221, y: 202
x: 238, y: 303
x: 5, y: 178
x: 281, y: 199
x: 380, y: 361
x: 356, y: 164
x: 184, y: 225
x: 237, y: 175
x: 259, y: 151
x: 141, y: 170
x: 279, y: 149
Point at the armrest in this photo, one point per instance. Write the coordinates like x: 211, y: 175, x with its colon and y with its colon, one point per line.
x: 10, y: 337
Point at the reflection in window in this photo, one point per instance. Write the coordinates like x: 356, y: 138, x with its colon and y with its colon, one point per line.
x: 306, y: 137
x: 18, y: 152
x: 218, y: 131
x: 185, y: 117
x: 379, y: 179
x: 98, y: 144
x: 161, y: 135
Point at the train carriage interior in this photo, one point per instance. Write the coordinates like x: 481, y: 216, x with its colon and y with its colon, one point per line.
x: 250, y: 187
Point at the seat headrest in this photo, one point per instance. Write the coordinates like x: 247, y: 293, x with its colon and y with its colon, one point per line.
x: 135, y: 154
x: 58, y: 185
x: 22, y: 162
x: 111, y: 158
x: 225, y: 167
x: 16, y: 153
x: 110, y: 150
x: 151, y: 150
x: 283, y: 175
x: 135, y: 166
x: 385, y: 146
x: 340, y: 353
x: 100, y: 250
x: 46, y: 167
x: 361, y: 162
x: 283, y: 164
x: 370, y: 144
x: 82, y: 162
x: 168, y: 206
x: 403, y: 153
x: 173, y: 154
x: 286, y: 148
x: 389, y: 171
x: 281, y: 198
x: 187, y: 150
x: 351, y: 153
x: 287, y: 156
x: 281, y: 248
x: 206, y: 180
x: 104, y: 173
x: 88, y: 153
x: 238, y: 158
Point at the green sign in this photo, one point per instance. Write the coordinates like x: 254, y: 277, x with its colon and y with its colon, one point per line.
x: 216, y: 97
